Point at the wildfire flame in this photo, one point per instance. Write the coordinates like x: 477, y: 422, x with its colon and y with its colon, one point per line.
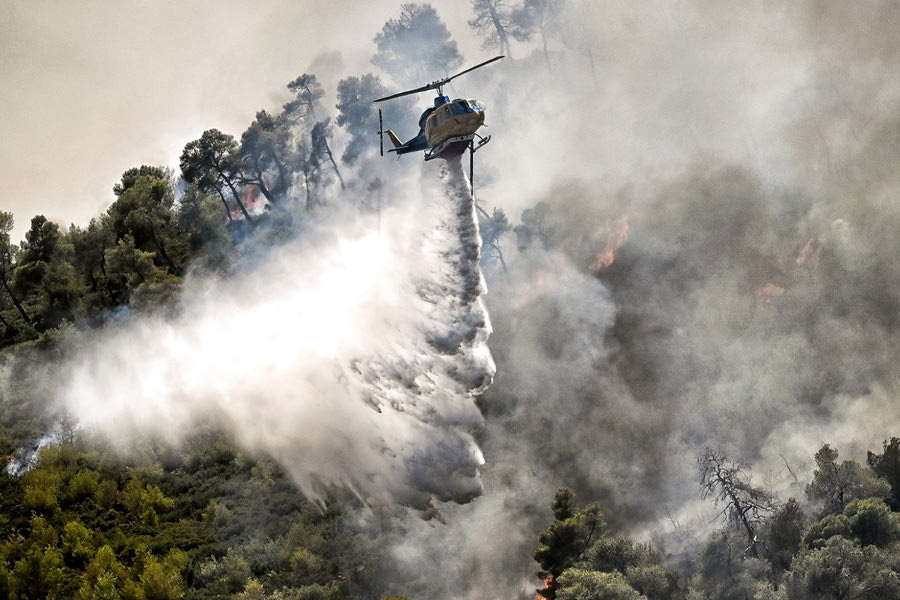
x: 252, y: 200
x: 803, y: 255
x: 618, y: 235
x: 548, y: 582
x: 808, y: 251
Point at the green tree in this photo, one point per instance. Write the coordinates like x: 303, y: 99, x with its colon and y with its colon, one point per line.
x: 77, y: 548
x: 161, y: 580
x: 653, y: 581
x: 38, y: 574
x: 492, y: 228
x: 89, y: 259
x: 578, y: 584
x: 537, y: 226
x: 107, y: 495
x: 786, y: 534
x: 829, y: 526
x: 42, y: 241
x: 128, y: 267
x: 321, y: 150
x: 416, y: 47
x: 83, y: 485
x: 835, y: 483
x: 145, y: 211
x: 357, y: 114
x: 302, y: 110
x: 213, y: 164
x: 133, y: 175
x: 7, y: 265
x: 44, y: 276
x: 61, y: 293
x: 41, y: 489
x: 640, y: 566
x: 726, y: 571
x: 42, y: 534
x: 265, y: 155
x: 872, y: 522
x: 308, y: 94
x: 566, y: 540
x: 254, y: 590
x: 887, y: 466
x: 842, y: 570
x: 201, y: 219
x: 105, y: 577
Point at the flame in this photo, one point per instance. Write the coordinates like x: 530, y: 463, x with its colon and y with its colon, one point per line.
x: 618, y: 234
x: 806, y: 254
x: 548, y: 582
x: 768, y: 292
x: 252, y: 200
x: 808, y: 251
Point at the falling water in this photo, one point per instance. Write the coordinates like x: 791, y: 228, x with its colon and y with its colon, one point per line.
x: 352, y: 356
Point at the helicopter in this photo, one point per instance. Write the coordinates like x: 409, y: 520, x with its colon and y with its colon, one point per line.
x: 447, y: 129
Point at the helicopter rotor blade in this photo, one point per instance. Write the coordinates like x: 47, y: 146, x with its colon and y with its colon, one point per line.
x: 434, y: 85
x: 380, y: 134
x: 424, y: 88
x: 478, y: 66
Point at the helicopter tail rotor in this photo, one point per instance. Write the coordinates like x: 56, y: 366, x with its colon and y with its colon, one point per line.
x: 380, y: 134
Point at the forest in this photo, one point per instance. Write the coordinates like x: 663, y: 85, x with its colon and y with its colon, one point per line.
x: 695, y: 387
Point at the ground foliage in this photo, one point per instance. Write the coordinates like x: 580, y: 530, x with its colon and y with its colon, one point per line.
x: 839, y: 551
x: 202, y: 521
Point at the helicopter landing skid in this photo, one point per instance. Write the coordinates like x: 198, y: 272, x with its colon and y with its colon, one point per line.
x: 481, y: 142
x: 453, y: 146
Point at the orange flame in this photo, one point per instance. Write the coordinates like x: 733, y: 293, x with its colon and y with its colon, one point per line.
x: 618, y: 234
x: 768, y: 292
x: 252, y: 200
x: 808, y: 251
x: 548, y: 581
x: 802, y: 255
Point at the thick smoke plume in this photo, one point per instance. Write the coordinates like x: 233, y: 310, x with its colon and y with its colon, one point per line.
x: 351, y: 355
x: 752, y: 306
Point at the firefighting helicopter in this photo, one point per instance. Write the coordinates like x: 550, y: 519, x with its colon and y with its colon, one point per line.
x: 447, y: 129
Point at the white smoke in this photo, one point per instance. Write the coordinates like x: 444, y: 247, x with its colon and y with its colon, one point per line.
x: 351, y: 355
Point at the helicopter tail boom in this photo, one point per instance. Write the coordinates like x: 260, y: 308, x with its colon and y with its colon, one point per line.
x: 393, y: 137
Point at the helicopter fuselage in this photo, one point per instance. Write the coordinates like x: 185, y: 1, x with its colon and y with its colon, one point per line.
x: 446, y: 129
x: 461, y: 117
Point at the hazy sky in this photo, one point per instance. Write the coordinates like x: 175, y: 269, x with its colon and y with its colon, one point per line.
x: 91, y: 89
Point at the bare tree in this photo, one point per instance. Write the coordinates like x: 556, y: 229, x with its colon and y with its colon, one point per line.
x: 726, y: 481
x: 544, y: 16
x: 492, y: 20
